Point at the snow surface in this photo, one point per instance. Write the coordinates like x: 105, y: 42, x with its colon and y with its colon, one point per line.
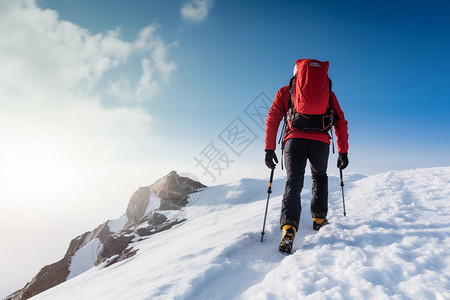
x: 85, y: 258
x: 153, y: 203
x: 117, y: 224
x: 393, y: 244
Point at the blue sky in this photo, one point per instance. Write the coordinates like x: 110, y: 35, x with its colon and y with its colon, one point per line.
x: 100, y: 97
x: 388, y: 62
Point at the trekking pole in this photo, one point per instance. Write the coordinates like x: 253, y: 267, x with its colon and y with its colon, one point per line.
x: 269, y: 191
x: 342, y: 186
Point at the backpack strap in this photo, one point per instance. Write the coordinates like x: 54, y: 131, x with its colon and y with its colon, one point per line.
x: 333, y: 115
x: 291, y: 92
x: 284, y: 130
x: 330, y: 84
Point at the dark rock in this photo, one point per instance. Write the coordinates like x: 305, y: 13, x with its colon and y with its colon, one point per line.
x: 154, y: 218
x: 174, y: 187
x: 168, y: 205
x: 127, y: 253
x: 152, y: 229
x: 137, y: 205
x: 102, y: 232
x: 76, y: 244
x: 115, y: 245
x: 10, y: 297
x: 48, y: 277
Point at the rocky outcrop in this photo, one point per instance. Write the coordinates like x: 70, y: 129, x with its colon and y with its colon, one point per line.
x: 117, y: 246
x: 138, y: 204
x: 175, y: 188
x: 172, y: 189
x: 114, y: 247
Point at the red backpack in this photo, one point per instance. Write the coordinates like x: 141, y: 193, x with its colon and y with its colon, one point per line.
x: 309, y: 107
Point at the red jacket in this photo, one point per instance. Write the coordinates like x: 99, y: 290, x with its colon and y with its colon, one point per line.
x: 278, y: 111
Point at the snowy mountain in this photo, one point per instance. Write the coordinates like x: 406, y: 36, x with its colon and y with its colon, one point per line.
x: 394, y: 243
x: 112, y: 241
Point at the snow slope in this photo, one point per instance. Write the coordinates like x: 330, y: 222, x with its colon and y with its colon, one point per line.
x: 393, y: 244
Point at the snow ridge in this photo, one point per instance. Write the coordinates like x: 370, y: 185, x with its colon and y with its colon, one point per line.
x: 393, y: 244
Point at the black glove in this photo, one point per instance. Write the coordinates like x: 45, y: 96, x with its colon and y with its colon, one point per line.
x: 342, y: 161
x: 270, y: 158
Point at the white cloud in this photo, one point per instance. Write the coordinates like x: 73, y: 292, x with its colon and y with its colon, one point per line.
x: 67, y: 57
x: 146, y: 37
x: 49, y: 67
x: 196, y: 10
x: 159, y: 56
x: 145, y: 88
x: 156, y: 69
x: 146, y: 85
x: 52, y: 49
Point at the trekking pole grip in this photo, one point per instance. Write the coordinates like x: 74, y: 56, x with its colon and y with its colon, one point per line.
x: 269, y: 189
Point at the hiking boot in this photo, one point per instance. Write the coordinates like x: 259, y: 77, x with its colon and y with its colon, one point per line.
x: 319, y: 223
x: 287, y: 239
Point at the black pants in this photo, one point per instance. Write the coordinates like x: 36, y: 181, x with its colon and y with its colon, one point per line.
x: 296, y: 153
